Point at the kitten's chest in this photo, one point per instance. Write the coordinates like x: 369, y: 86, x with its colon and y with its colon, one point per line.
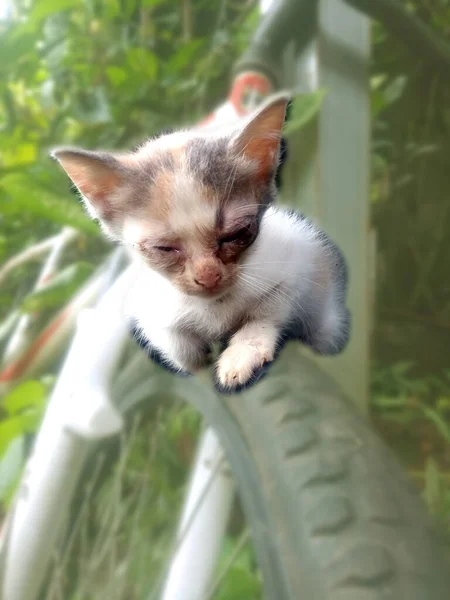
x: 210, y: 319
x: 157, y: 305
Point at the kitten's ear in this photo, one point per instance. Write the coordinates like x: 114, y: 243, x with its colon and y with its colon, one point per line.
x: 97, y: 175
x: 260, y: 138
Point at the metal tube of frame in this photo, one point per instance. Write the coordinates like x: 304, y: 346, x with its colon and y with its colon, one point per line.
x: 78, y: 414
x: 202, y: 524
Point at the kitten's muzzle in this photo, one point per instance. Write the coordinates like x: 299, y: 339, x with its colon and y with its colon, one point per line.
x: 209, y: 281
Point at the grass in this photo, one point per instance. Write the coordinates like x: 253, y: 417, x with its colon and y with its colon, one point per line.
x: 126, y: 520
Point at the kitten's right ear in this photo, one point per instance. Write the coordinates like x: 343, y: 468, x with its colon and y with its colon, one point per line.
x: 97, y: 175
x: 260, y: 138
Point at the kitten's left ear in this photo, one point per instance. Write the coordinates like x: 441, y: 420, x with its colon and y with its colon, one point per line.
x: 97, y: 175
x: 260, y: 138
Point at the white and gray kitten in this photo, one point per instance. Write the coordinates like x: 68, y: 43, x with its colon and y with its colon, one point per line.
x: 215, y: 260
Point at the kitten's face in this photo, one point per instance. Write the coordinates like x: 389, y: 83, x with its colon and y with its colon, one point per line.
x: 189, y: 203
x: 200, y: 216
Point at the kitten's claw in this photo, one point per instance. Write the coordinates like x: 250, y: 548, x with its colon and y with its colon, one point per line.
x: 239, y: 362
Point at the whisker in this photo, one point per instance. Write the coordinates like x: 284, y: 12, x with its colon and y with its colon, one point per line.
x: 284, y: 272
x: 279, y: 291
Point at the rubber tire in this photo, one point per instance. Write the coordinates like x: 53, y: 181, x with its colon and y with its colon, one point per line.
x: 333, y: 515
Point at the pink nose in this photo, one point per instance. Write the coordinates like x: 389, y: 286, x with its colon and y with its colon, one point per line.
x: 208, y: 277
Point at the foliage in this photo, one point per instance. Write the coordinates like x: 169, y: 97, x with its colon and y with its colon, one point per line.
x: 121, y: 544
x: 418, y: 409
x: 411, y: 214
x: 22, y: 412
x: 111, y: 73
x: 411, y: 191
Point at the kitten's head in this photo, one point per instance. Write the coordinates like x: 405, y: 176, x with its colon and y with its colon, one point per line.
x: 190, y: 202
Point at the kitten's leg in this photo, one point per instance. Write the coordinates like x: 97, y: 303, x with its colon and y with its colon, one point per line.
x: 180, y: 351
x: 249, y: 349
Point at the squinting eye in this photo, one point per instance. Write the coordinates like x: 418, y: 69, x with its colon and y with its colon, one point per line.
x: 166, y: 249
x: 238, y: 237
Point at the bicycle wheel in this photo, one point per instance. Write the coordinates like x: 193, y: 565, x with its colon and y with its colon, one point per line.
x: 332, y: 514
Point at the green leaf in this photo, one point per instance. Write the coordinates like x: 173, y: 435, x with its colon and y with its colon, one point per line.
x: 393, y: 91
x: 11, y: 466
x: 183, y: 57
x: 116, y: 75
x: 389, y: 401
x: 21, y: 154
x: 305, y: 108
x: 24, y: 195
x: 30, y: 393
x: 239, y: 584
x: 442, y: 403
x: 16, y: 45
x: 143, y: 62
x: 45, y: 8
x: 10, y: 429
x: 441, y: 425
x: 433, y: 488
x: 402, y: 367
x: 61, y: 288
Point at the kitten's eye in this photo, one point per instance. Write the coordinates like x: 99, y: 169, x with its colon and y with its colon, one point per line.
x: 166, y: 249
x: 241, y: 236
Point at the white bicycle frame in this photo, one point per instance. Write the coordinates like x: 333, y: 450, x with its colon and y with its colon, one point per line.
x: 80, y: 413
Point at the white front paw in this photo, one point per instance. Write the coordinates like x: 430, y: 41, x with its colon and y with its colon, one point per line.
x: 239, y: 361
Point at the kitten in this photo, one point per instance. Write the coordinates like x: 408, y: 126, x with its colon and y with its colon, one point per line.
x: 215, y: 260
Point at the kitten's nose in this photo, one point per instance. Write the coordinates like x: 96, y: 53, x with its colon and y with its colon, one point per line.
x: 208, y: 278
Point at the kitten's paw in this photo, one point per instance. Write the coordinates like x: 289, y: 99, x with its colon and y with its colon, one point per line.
x: 238, y: 363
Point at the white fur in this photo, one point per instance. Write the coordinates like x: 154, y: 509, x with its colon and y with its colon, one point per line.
x: 287, y: 253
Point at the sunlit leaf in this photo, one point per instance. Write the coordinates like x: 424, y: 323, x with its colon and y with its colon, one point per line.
x: 45, y: 8
x: 116, y: 75
x: 30, y: 393
x: 21, y: 154
x: 239, y: 584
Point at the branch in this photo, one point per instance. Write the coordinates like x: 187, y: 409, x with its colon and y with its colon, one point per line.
x: 32, y: 253
x: 25, y: 256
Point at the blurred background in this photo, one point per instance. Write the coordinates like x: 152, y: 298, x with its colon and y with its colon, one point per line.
x: 109, y: 73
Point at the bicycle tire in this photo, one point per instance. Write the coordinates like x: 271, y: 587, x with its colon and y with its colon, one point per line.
x: 332, y: 513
